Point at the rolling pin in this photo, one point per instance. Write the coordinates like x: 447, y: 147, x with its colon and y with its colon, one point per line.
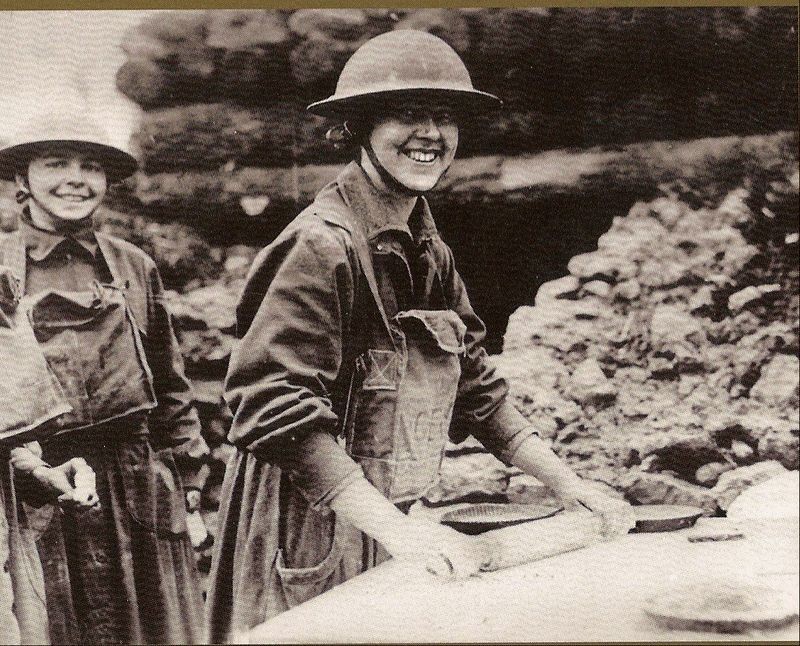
x: 529, y: 542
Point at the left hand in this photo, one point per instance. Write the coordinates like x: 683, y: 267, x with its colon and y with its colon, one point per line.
x: 616, y: 515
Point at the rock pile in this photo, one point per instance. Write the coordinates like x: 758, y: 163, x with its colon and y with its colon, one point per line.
x: 666, y: 363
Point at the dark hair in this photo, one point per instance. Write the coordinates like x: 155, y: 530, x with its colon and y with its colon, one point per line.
x: 348, y: 135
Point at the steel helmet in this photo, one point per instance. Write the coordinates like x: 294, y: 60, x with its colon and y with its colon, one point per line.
x: 46, y: 131
x: 400, y: 62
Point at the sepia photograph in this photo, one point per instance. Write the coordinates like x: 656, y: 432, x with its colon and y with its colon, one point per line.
x: 399, y: 325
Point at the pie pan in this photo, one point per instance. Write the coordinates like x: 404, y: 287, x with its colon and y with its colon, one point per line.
x: 480, y: 518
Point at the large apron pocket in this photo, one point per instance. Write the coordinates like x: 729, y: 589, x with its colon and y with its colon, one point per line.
x: 304, y: 583
x: 153, y: 492
x: 434, y: 329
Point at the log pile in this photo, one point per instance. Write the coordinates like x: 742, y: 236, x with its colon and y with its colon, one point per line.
x: 224, y: 92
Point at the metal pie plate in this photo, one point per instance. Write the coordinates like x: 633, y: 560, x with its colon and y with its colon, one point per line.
x: 723, y: 606
x: 664, y: 518
x: 480, y: 518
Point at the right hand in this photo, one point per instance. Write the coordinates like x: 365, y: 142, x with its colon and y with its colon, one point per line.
x: 73, y: 482
x: 442, y: 550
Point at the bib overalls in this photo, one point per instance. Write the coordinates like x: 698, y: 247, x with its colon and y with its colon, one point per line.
x: 357, y: 354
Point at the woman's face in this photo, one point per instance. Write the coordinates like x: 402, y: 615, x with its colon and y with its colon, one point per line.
x: 67, y: 186
x: 415, y: 143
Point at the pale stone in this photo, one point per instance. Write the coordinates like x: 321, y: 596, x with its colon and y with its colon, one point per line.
x: 667, y: 210
x: 743, y: 297
x: 779, y: 381
x: 671, y: 325
x: 599, y: 265
x: 709, y: 474
x: 732, y: 483
x: 781, y: 446
x: 590, y: 384
x: 629, y: 289
x: 598, y: 288
x: 741, y: 450
x: 702, y: 299
x: 776, y: 497
x: 563, y: 287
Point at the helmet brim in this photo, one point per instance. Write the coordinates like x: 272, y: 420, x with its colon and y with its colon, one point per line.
x: 117, y: 164
x: 471, y: 102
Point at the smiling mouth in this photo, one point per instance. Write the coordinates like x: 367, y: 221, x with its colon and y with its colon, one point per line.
x: 70, y: 197
x: 422, y: 156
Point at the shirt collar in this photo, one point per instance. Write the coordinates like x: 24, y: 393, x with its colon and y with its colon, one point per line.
x: 40, y: 243
x: 378, y: 212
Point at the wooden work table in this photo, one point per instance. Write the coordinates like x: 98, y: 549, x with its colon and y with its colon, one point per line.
x: 592, y: 594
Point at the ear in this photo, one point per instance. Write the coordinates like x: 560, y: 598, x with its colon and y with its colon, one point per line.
x: 21, y: 181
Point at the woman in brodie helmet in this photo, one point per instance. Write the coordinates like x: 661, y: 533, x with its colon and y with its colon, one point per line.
x: 123, y: 571
x: 360, y: 358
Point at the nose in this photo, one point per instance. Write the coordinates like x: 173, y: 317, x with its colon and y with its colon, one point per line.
x: 75, y: 173
x: 428, y: 128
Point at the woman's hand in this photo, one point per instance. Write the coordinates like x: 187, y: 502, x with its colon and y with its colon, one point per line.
x: 74, y: 482
x: 534, y: 457
x: 616, y: 515
x: 442, y: 550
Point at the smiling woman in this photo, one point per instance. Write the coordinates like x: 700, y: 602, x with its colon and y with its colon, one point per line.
x: 415, y: 144
x: 63, y: 186
x: 123, y: 572
x: 356, y: 325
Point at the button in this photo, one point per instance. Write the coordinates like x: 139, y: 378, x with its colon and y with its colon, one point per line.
x: 379, y: 247
x: 6, y: 567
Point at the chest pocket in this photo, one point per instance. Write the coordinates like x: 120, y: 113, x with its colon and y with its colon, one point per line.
x: 93, y: 346
x: 401, y: 403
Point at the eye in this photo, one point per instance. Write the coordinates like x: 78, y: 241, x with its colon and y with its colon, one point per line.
x: 410, y: 114
x: 444, y: 117
x: 93, y: 167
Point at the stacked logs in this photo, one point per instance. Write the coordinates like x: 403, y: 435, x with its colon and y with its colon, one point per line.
x: 224, y: 92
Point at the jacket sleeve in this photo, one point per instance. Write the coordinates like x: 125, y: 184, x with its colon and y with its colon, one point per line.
x: 482, y: 408
x: 174, y: 423
x: 292, y: 318
x: 24, y: 459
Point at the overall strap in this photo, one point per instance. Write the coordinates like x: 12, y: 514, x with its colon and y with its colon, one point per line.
x: 347, y: 220
x: 12, y: 255
x: 111, y: 258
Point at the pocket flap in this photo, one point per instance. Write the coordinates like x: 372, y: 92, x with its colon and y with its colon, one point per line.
x: 66, y: 309
x: 443, y: 327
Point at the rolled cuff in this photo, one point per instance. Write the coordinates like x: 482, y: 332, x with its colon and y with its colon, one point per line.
x: 504, y: 431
